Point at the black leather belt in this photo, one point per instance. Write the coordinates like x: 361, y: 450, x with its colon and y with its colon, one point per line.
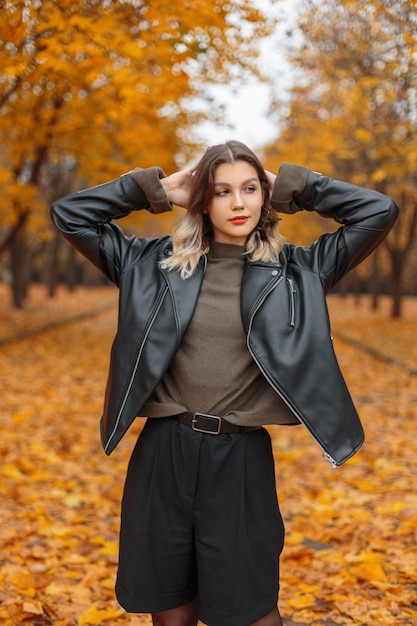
x: 211, y: 424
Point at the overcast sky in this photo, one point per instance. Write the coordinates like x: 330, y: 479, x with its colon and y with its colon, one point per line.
x: 246, y: 111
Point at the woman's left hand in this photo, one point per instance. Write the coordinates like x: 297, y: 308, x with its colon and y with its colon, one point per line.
x: 177, y: 186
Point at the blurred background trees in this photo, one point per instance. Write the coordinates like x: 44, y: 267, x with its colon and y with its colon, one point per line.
x: 352, y: 114
x: 89, y: 89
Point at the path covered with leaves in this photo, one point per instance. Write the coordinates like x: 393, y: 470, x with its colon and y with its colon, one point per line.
x: 350, y: 555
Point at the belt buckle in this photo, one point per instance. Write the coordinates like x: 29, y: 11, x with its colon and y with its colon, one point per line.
x: 210, y: 417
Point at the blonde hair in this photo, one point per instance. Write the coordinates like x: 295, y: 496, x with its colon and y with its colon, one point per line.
x: 193, y: 235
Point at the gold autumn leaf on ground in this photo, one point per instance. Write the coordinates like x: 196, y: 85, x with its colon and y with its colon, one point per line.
x: 93, y: 615
x: 35, y: 607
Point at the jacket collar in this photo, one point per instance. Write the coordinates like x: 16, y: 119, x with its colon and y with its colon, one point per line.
x: 184, y: 292
x: 258, y: 280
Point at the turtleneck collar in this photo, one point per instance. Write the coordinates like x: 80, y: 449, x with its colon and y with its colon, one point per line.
x: 220, y: 250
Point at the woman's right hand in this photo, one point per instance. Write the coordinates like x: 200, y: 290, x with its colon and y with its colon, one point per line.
x: 177, y: 186
x: 271, y: 179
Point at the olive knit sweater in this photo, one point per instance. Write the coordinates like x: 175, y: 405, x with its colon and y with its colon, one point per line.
x: 213, y: 371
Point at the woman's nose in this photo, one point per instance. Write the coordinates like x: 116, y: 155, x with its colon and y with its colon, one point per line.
x: 237, y: 201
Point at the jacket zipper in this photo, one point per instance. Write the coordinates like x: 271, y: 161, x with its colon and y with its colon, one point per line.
x: 138, y: 357
x: 329, y: 458
x: 326, y: 454
x: 292, y: 291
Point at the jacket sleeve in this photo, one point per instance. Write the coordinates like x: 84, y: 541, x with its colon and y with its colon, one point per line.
x: 85, y: 218
x: 366, y: 217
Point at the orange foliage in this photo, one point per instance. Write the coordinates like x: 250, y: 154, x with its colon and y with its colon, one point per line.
x: 351, y: 111
x: 351, y: 532
x: 106, y: 86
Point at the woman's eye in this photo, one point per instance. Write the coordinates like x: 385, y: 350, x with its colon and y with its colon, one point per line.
x: 226, y: 192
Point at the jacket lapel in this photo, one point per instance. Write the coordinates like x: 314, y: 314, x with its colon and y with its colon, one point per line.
x: 184, y: 293
x: 258, y: 280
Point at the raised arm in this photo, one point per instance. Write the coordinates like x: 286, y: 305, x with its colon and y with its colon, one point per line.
x: 366, y: 217
x: 85, y: 218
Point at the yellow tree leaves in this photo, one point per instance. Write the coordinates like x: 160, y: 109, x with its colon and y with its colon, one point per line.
x: 99, y: 87
x: 93, y: 80
x: 352, y: 107
x: 357, y: 79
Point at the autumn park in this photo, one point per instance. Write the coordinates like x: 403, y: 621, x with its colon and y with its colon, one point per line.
x: 91, y: 89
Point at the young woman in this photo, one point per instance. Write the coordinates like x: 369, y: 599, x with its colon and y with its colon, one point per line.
x: 223, y: 328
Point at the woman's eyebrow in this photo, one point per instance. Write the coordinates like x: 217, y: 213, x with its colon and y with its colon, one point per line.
x: 245, y: 182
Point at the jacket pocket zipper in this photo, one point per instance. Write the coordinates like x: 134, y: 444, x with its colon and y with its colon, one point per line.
x: 292, y: 292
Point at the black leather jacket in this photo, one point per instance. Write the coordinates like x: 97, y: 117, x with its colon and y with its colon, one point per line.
x: 283, y: 306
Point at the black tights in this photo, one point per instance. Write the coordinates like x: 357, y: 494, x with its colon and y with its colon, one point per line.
x: 186, y: 615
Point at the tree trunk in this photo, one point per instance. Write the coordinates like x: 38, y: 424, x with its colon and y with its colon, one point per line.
x: 52, y: 264
x: 71, y: 269
x: 20, y: 257
x: 396, y: 299
x: 398, y: 257
x: 374, y: 281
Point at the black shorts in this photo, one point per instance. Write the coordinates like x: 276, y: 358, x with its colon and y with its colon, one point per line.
x: 200, y: 519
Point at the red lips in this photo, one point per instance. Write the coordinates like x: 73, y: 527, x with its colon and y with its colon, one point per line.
x: 239, y: 219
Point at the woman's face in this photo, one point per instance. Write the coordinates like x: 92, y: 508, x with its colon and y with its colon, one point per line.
x: 235, y: 207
